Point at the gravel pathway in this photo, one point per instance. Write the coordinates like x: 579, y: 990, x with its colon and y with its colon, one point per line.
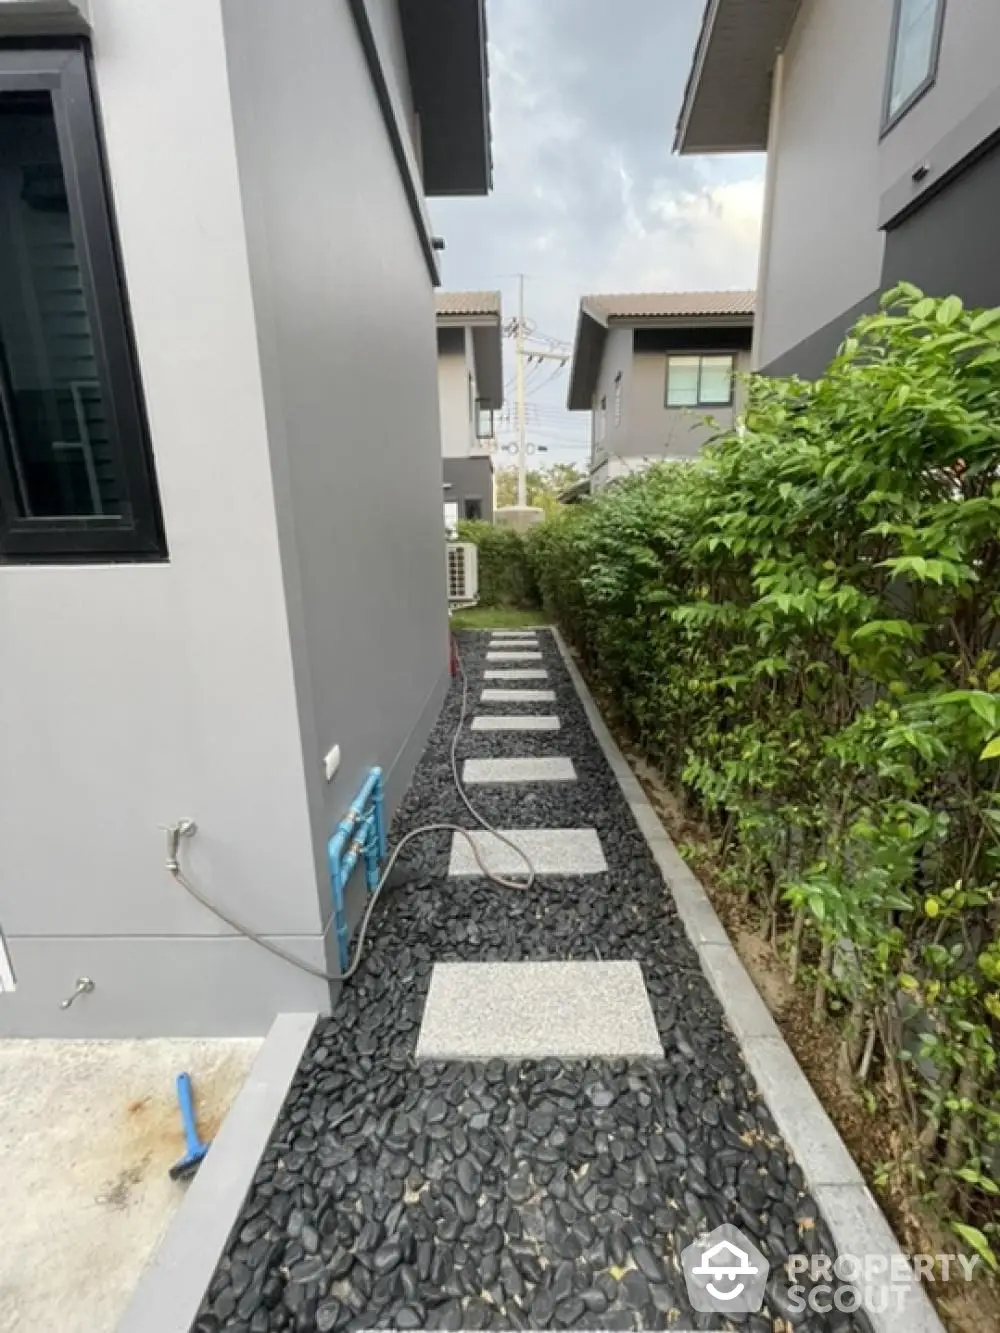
x: 531, y: 1194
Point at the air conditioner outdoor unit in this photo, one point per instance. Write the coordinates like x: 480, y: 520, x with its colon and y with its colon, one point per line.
x: 462, y: 572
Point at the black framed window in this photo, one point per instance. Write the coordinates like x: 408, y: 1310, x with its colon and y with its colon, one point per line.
x: 76, y: 472
x: 699, y: 381
x: 474, y: 508
x: 913, y: 55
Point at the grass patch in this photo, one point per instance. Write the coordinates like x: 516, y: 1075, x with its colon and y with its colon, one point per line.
x: 497, y: 617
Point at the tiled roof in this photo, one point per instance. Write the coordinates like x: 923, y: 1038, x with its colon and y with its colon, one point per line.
x: 467, y: 303
x: 667, y: 305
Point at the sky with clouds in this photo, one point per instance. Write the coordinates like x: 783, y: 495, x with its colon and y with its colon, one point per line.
x: 588, y: 196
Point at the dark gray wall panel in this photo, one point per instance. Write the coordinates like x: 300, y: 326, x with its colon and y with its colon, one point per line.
x: 810, y: 358
x: 469, y: 478
x: 952, y: 243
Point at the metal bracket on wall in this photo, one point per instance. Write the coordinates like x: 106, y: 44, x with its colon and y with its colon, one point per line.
x: 361, y: 833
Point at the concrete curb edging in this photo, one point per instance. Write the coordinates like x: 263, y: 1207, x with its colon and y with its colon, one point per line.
x: 856, y: 1222
x: 171, y: 1289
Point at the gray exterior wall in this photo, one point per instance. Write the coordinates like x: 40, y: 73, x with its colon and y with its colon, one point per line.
x: 672, y: 432
x: 950, y: 243
x: 470, y: 479
x: 968, y: 77
x: 346, y: 330
x: 825, y: 249
x: 834, y: 181
x: 284, y: 323
x: 616, y: 359
x: 132, y: 695
x: 649, y: 429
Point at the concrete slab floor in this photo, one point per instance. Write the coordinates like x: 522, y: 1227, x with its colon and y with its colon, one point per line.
x: 88, y: 1133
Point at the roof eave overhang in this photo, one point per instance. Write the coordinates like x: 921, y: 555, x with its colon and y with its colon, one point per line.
x: 588, y: 348
x: 449, y: 77
x: 458, y: 321
x: 44, y: 18
x: 487, y: 348
x: 683, y: 321
x: 727, y: 101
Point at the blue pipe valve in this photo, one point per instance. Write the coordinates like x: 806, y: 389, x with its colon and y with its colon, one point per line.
x: 360, y: 834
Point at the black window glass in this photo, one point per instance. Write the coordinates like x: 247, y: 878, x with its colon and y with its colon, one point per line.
x: 55, y: 425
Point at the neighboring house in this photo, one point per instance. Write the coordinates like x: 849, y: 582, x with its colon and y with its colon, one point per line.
x: 650, y: 367
x: 470, y: 384
x: 881, y: 121
x: 221, y: 560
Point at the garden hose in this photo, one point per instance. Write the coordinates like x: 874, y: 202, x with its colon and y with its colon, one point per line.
x: 174, y: 867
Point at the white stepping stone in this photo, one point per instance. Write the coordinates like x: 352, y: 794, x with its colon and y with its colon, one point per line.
x: 518, y: 696
x: 516, y: 673
x: 530, y: 1011
x: 514, y: 634
x: 518, y: 770
x: 553, y: 851
x: 513, y: 657
x: 513, y: 722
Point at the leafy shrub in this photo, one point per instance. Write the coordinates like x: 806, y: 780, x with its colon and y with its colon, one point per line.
x: 506, y: 577
x: 801, y: 629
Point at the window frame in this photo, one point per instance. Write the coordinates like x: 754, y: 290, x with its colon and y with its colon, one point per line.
x: 63, y: 70
x: 482, y: 409
x: 892, y: 118
x: 714, y: 355
x: 618, y: 400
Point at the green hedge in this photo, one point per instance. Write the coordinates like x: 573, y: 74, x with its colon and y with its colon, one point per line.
x: 802, y: 630
x: 506, y: 577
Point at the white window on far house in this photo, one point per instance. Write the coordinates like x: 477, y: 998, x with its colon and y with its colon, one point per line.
x: 699, y: 381
x: 451, y: 518
x: 913, y: 54
x: 484, y: 420
x: 618, y: 400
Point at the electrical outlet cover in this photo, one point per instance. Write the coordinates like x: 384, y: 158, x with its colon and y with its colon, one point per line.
x: 331, y: 762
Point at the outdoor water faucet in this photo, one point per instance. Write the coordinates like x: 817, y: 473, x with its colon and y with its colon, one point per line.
x: 84, y: 986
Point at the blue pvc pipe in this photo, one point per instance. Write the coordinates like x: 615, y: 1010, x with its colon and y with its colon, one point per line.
x: 361, y: 831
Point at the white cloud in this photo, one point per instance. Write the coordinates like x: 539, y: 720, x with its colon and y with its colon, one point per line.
x: 588, y: 196
x: 691, y: 239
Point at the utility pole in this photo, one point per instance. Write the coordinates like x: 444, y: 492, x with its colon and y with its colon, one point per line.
x: 522, y: 453
x: 521, y: 354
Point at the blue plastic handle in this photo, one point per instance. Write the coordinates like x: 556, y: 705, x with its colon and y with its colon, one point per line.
x: 186, y: 1101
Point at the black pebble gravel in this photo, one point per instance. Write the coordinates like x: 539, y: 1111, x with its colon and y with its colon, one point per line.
x: 537, y: 1194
